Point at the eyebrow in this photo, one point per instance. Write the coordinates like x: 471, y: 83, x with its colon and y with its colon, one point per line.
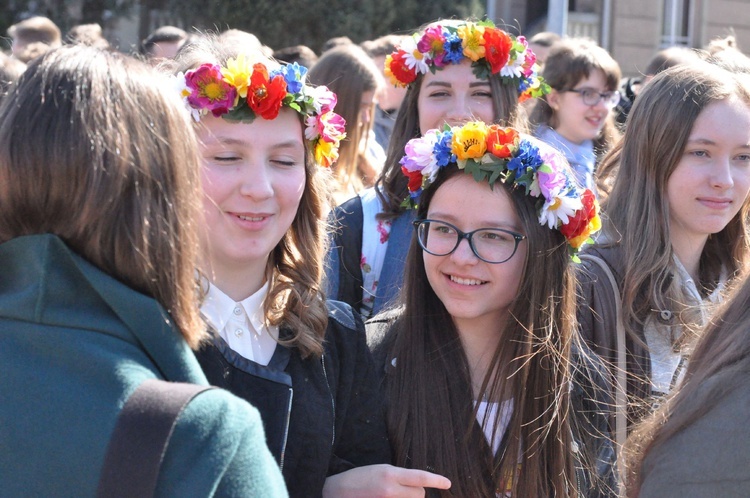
x: 706, y: 141
x: 482, y: 224
x: 289, y: 144
x: 445, y: 84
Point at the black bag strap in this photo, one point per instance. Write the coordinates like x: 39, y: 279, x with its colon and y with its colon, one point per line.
x: 140, y: 439
x: 348, y: 243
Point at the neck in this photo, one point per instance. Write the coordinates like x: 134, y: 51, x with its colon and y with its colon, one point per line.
x: 689, y: 253
x: 238, y: 283
x: 479, y: 338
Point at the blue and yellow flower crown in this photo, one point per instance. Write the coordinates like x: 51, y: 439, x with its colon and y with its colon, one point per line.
x: 494, y: 153
x: 241, y: 91
x: 490, y: 49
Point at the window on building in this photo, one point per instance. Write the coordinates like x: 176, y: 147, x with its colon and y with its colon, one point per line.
x: 676, y: 28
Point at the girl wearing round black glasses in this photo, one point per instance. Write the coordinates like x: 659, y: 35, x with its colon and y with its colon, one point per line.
x: 576, y: 116
x: 483, y: 379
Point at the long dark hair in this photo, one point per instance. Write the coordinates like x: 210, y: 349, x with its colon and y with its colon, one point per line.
x: 431, y: 413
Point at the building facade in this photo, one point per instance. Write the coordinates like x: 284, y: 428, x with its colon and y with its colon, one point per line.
x: 634, y: 30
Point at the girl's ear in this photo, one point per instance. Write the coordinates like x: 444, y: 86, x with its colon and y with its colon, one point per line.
x: 553, y: 99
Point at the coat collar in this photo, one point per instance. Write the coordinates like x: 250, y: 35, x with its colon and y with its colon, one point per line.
x: 45, y: 282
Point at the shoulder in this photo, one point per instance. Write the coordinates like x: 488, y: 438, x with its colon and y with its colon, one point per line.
x: 593, y: 256
x: 709, y: 457
x: 381, y: 335
x: 218, y: 446
x: 342, y: 317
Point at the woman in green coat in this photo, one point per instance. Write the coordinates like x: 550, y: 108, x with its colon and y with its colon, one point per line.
x: 98, y: 205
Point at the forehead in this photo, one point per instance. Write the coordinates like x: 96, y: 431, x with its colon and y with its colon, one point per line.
x: 471, y: 204
x: 454, y: 74
x: 285, y: 129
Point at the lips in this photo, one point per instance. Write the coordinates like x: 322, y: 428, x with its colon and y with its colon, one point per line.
x: 250, y: 218
x: 715, y: 202
x: 466, y: 281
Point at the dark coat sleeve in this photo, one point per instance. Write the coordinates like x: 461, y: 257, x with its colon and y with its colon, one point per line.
x: 361, y: 437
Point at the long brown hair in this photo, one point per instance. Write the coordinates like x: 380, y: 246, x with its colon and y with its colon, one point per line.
x: 349, y: 72
x: 570, y: 61
x: 719, y: 365
x: 659, y: 126
x: 295, y: 299
x: 94, y: 149
x: 391, y: 185
x: 431, y: 415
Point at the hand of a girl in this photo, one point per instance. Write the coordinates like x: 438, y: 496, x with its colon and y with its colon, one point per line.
x: 383, y: 481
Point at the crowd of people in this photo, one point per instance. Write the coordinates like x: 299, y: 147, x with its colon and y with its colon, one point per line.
x: 288, y: 227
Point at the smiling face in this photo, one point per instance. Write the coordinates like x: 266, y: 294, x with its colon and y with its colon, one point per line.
x: 453, y: 95
x: 575, y: 120
x: 474, y: 292
x: 253, y: 180
x: 711, y: 180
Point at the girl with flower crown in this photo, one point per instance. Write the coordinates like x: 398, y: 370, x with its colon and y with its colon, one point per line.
x: 677, y: 231
x: 301, y: 360
x: 485, y: 381
x: 454, y: 71
x: 576, y: 116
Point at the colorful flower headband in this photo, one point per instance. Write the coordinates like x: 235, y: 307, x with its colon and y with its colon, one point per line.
x: 240, y: 92
x: 494, y: 153
x: 490, y: 49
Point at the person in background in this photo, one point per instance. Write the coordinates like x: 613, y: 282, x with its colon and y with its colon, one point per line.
x: 541, y: 43
x: 99, y: 218
x: 661, y: 61
x: 352, y: 76
x: 576, y: 116
x: 276, y: 341
x: 10, y: 70
x: 676, y: 233
x: 33, y: 37
x: 301, y: 54
x: 162, y: 43
x: 390, y: 97
x: 446, y: 87
x: 87, y: 34
x: 486, y: 381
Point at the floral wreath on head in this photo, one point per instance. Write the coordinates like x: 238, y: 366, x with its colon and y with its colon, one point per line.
x: 241, y: 92
x: 490, y: 49
x: 495, y: 153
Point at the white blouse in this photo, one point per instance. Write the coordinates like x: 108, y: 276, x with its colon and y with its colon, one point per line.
x: 242, y: 325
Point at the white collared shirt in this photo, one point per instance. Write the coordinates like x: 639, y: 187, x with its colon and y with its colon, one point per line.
x: 242, y: 325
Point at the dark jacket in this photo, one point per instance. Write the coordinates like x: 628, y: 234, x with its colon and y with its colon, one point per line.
x: 590, y: 399
x: 322, y: 415
x: 74, y: 344
x: 343, y: 273
x: 597, y: 318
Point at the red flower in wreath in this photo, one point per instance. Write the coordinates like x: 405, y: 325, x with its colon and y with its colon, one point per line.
x: 578, y: 224
x: 264, y: 96
x: 501, y: 142
x: 399, y: 70
x: 497, y: 45
x: 415, y: 179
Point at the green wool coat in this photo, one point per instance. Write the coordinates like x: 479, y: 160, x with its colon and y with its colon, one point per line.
x: 74, y: 344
